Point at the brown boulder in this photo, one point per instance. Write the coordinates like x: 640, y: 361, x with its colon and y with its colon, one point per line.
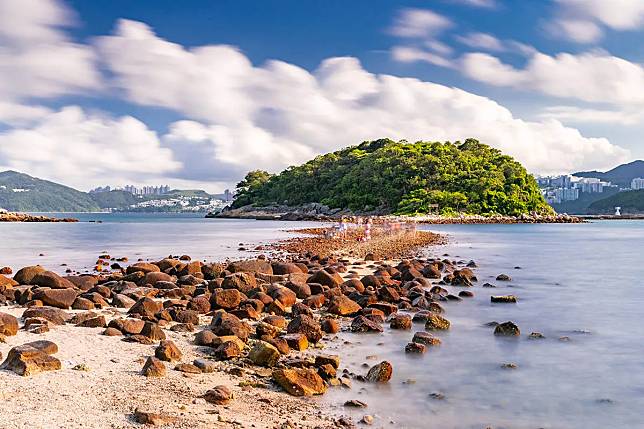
x: 300, y: 382
x: 8, y: 324
x: 26, y: 274
x: 32, y: 358
x: 343, y: 306
x: 153, y: 368
x: 250, y: 266
x: 243, y: 282
x: 142, y: 267
x: 53, y: 315
x: 51, y: 280
x: 380, y: 373
x: 59, y: 298
x: 168, y: 351
x: 146, y: 307
x: 220, y: 395
x: 306, y: 325
x: 225, y: 298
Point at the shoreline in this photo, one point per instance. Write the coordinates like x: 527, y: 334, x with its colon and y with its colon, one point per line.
x: 241, y: 312
x: 26, y: 217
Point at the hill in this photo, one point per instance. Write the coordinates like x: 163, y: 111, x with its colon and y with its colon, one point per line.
x: 114, y: 199
x: 621, y: 175
x: 21, y: 192
x: 384, y: 176
x: 631, y: 202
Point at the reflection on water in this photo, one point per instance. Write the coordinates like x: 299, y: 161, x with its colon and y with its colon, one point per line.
x: 578, y: 281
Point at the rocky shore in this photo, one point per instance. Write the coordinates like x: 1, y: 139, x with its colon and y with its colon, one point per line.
x: 183, y: 343
x: 25, y: 217
x: 322, y: 213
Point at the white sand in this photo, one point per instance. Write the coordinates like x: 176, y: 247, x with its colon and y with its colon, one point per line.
x: 106, y: 396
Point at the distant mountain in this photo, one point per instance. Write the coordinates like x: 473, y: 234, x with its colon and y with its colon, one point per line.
x: 621, y: 175
x: 21, y: 192
x: 631, y: 202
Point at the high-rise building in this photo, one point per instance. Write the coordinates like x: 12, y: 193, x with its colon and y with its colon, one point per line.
x: 637, y: 183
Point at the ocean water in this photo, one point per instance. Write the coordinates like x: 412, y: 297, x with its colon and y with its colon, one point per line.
x: 582, y: 281
x: 134, y: 235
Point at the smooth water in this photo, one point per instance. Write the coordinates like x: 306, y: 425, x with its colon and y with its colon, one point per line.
x: 579, y: 281
x: 134, y: 235
x: 576, y: 281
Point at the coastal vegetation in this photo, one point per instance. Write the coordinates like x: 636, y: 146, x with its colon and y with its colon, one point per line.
x: 384, y: 176
x: 631, y: 202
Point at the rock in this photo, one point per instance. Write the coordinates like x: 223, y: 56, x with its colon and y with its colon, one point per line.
x: 58, y: 298
x: 32, y: 358
x: 243, y: 282
x: 306, y: 325
x: 205, y: 365
x: 367, y: 420
x: 362, y: 324
x: 187, y: 368
x: 112, y: 332
x: 426, y: 339
x: 264, y: 354
x: 225, y: 298
x: 25, y: 275
x: 168, y: 351
x: 153, y: 419
x: 284, y: 295
x: 186, y: 316
x: 153, y: 368
x: 507, y: 329
x: 51, y: 314
x: 250, y: 266
x: 400, y: 321
x: 122, y: 301
x: 297, y: 342
x: 332, y: 360
x: 6, y: 282
x: 82, y: 304
x: 8, y: 324
x: 330, y: 326
x: 325, y: 278
x: 146, y: 307
x: 285, y: 268
x: 503, y: 299
x: 228, y: 350
x: 354, y: 403
x: 94, y: 322
x: 415, y: 348
x: 343, y: 306
x: 204, y: 338
x: 466, y: 294
x: 153, y: 331
x: 300, y: 382
x: 380, y: 373
x: 436, y: 322
x: 142, y: 267
x: 220, y: 395
x: 503, y: 278
x: 51, y: 280
x: 536, y: 336
x: 228, y: 324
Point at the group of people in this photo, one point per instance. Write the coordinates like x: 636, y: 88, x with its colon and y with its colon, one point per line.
x: 364, y: 227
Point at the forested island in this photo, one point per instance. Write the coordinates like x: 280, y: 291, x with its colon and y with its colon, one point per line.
x: 388, y: 177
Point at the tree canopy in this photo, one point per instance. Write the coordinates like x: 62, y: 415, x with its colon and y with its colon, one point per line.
x: 405, y: 178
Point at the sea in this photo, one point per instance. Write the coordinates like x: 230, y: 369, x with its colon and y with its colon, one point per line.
x: 577, y: 284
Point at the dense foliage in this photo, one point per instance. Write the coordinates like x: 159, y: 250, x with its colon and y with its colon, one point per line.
x: 399, y: 177
x: 630, y: 202
x: 114, y: 199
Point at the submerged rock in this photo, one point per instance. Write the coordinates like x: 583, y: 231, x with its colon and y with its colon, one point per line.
x: 508, y: 329
x: 380, y: 373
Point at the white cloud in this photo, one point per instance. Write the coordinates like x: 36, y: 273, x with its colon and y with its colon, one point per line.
x: 36, y: 58
x: 580, y: 20
x: 489, y: 4
x: 481, y: 41
x: 577, y: 115
x: 591, y: 77
x: 410, y: 54
x: 419, y: 23
x: 244, y: 116
x: 83, y: 150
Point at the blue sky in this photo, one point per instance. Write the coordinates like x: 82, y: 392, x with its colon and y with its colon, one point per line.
x: 197, y: 93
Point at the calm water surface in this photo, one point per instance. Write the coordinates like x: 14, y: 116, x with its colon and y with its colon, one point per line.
x: 578, y: 281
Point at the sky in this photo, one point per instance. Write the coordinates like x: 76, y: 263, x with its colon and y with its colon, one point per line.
x: 196, y: 93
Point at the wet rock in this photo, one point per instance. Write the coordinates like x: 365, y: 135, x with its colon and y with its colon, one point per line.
x: 415, y: 348
x: 380, y: 373
x: 168, y: 351
x: 306, y: 325
x: 153, y: 367
x: 425, y: 338
x: 362, y: 324
x: 505, y: 299
x: 332, y: 360
x: 367, y: 420
x: 509, y: 365
x: 8, y: 324
x: 488, y: 285
x: 297, y: 342
x: 466, y: 294
x: 507, y: 329
x: 436, y: 322
x: 220, y: 395
x: 264, y: 354
x: 300, y: 382
x: 32, y: 358
x: 400, y: 321
x: 354, y: 403
x: 536, y: 336
x: 503, y: 278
